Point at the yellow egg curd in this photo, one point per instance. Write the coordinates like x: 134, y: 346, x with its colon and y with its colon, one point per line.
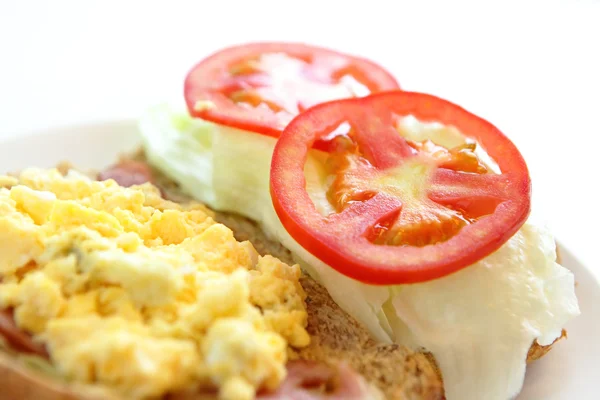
x: 142, y: 295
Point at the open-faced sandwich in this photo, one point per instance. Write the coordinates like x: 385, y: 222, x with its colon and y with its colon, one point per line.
x: 303, y: 229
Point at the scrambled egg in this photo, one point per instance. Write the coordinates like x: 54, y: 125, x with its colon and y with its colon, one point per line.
x: 141, y: 294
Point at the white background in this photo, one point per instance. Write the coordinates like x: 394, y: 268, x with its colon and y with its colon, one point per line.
x: 530, y: 67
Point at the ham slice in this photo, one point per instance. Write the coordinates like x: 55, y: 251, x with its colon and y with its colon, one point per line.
x: 306, y: 380
x: 309, y: 380
x: 128, y: 173
x: 18, y: 340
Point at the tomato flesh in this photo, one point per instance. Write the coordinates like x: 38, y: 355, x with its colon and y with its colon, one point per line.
x: 261, y: 86
x: 422, y: 221
x: 405, y: 211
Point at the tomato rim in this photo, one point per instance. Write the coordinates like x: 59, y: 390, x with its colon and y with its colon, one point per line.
x: 224, y: 111
x: 328, y: 238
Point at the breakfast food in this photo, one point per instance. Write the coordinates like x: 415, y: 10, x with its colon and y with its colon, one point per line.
x: 119, y: 284
x: 425, y: 276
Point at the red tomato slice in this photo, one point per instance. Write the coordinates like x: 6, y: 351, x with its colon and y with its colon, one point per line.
x: 260, y: 87
x: 406, y: 212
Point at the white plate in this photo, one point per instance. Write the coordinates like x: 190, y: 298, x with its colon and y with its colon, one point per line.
x: 567, y: 372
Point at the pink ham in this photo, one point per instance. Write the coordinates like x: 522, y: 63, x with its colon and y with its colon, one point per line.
x: 127, y: 173
x: 16, y: 338
x: 309, y: 380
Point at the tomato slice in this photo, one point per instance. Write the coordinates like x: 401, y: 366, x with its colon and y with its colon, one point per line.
x: 260, y: 87
x: 406, y: 212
